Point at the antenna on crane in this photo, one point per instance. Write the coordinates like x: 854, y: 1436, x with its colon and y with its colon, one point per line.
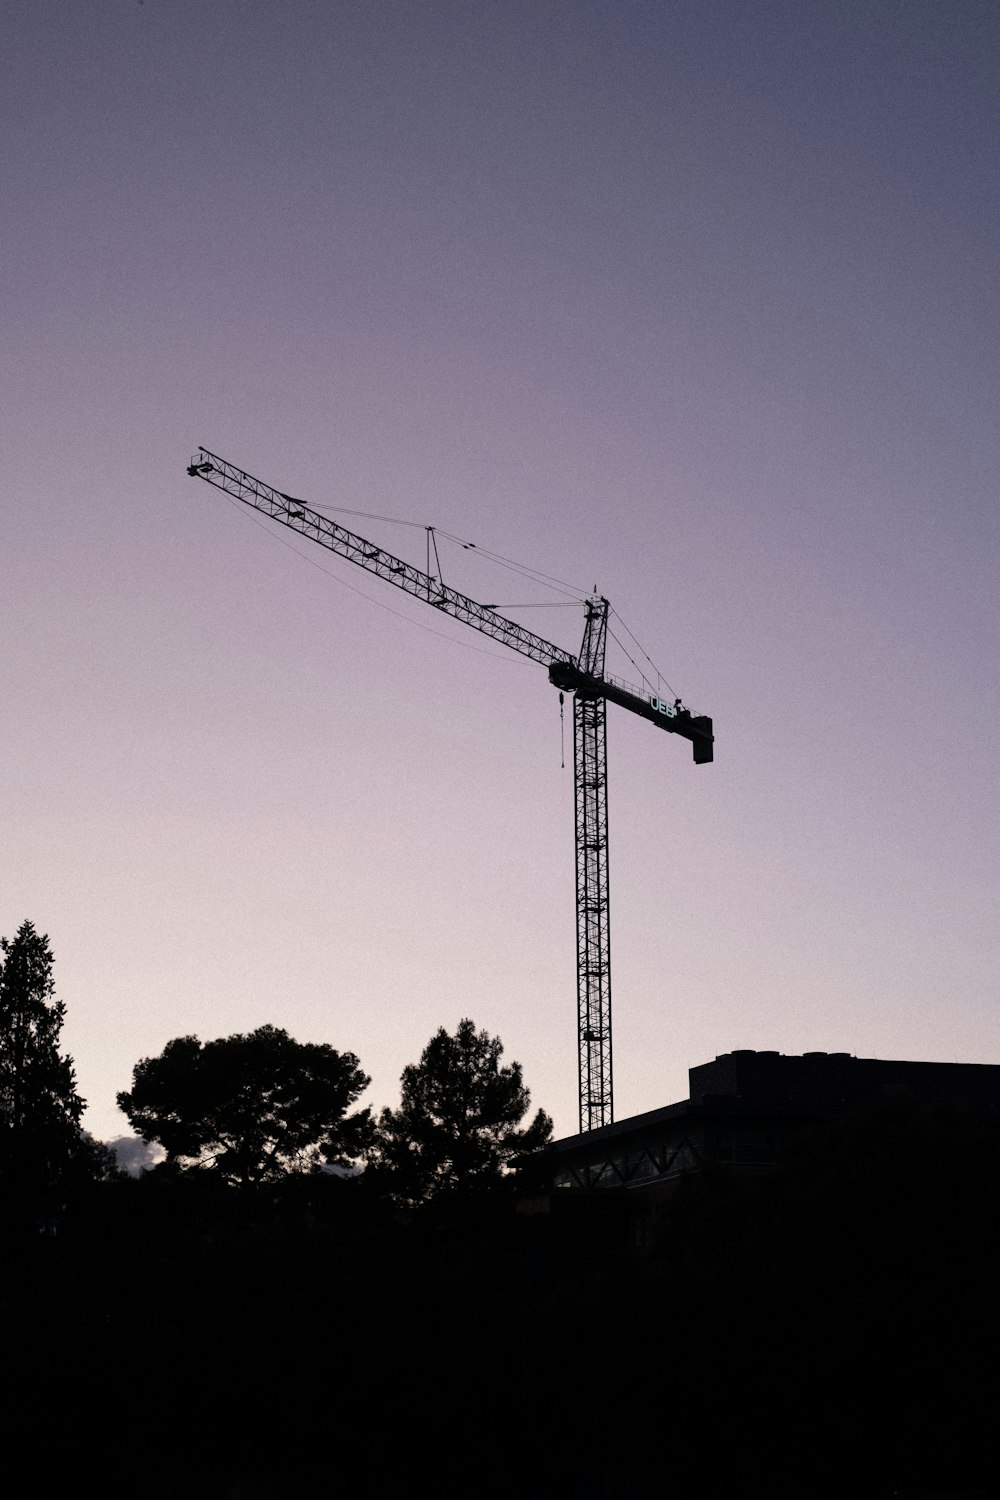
x: 582, y: 676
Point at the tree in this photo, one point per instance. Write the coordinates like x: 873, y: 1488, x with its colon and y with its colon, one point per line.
x: 457, y: 1127
x: 41, y: 1143
x: 251, y: 1107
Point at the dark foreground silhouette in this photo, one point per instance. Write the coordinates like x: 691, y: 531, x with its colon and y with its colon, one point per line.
x: 831, y: 1329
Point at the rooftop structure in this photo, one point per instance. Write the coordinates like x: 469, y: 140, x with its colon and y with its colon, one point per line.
x: 744, y: 1106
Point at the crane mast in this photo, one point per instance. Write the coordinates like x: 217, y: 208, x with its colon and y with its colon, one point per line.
x: 593, y: 932
x: 582, y: 676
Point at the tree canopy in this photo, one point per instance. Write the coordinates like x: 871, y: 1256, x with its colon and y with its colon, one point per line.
x: 458, y: 1127
x: 251, y: 1107
x: 40, y: 1108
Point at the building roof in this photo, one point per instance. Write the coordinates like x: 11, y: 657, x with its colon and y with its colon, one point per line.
x: 804, y: 1086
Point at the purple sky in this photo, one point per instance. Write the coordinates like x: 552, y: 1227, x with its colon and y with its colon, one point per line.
x: 695, y: 301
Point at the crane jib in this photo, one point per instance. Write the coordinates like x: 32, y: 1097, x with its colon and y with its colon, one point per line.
x: 298, y: 516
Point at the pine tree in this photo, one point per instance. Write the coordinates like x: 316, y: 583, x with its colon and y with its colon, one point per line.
x: 458, y: 1127
x: 251, y: 1108
x: 40, y: 1136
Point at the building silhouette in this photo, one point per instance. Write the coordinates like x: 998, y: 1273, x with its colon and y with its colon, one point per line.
x: 746, y: 1106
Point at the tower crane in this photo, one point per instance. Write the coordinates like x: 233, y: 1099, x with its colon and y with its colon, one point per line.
x: 584, y: 678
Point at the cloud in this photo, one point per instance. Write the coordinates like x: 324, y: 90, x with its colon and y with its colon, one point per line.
x: 134, y: 1155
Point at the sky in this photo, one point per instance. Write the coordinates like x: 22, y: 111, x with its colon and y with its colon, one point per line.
x: 691, y: 300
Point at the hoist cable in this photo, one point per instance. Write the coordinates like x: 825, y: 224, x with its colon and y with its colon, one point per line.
x: 631, y: 658
x: 302, y: 556
x: 366, y: 515
x: 652, y: 663
x: 504, y: 562
x: 559, y: 584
